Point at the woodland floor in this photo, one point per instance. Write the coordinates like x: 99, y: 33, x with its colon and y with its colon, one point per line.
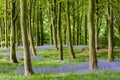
x: 74, y: 67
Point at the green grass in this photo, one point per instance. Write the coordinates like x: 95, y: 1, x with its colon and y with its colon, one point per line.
x: 51, y: 59
x: 98, y: 75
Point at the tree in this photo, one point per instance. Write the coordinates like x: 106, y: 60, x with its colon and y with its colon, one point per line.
x: 60, y: 47
x: 6, y: 27
x: 12, y: 36
x: 91, y: 28
x: 41, y: 26
x: 54, y: 24
x: 96, y: 26
x: 110, y: 31
x: 27, y: 58
x: 30, y: 31
x: 69, y: 43
x: 38, y: 27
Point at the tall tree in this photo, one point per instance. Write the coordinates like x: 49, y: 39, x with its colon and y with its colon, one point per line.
x: 12, y: 36
x: 30, y: 31
x: 0, y: 32
x: 54, y: 24
x: 96, y: 25
x: 85, y: 29
x: 27, y: 58
x: 110, y: 30
x: 74, y: 17
x: 91, y: 28
x: 69, y: 43
x: 41, y: 25
x: 60, y: 47
x: 38, y: 27
x: 6, y: 27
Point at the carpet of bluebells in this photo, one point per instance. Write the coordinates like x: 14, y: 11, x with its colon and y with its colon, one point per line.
x: 77, y: 67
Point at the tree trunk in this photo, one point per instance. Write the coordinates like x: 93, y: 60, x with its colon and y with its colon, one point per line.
x: 41, y: 26
x: 0, y: 32
x: 38, y: 27
x: 27, y: 57
x: 12, y: 36
x: 73, y: 16
x: 69, y: 43
x: 85, y: 29
x: 78, y: 28
x: 60, y: 47
x: 50, y: 20
x: 54, y: 23
x: 110, y: 32
x: 96, y: 26
x: 91, y: 28
x: 6, y: 28
x: 30, y: 32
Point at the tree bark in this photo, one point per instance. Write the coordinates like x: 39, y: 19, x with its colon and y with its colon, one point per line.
x: 6, y: 27
x: 54, y: 25
x: 27, y: 57
x: 60, y: 47
x: 91, y: 28
x: 73, y: 16
x: 96, y: 26
x: 38, y: 27
x: 12, y: 36
x: 110, y: 32
x: 69, y: 43
x: 30, y: 32
x: 86, y: 29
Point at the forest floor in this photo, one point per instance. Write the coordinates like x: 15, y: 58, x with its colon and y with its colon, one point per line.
x: 69, y: 67
x: 77, y: 67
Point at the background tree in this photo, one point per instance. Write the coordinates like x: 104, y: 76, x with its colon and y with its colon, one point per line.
x: 69, y: 43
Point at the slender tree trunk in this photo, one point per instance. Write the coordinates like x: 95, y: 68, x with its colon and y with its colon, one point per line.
x: 0, y: 32
x: 38, y: 27
x: 85, y: 29
x: 27, y: 57
x: 91, y: 28
x: 81, y: 39
x: 41, y: 27
x: 30, y: 31
x: 96, y: 26
x: 60, y: 47
x: 6, y: 28
x: 12, y: 36
x: 110, y: 32
x: 69, y: 43
x: 73, y: 16
x: 78, y: 28
x: 50, y: 20
x: 54, y: 23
